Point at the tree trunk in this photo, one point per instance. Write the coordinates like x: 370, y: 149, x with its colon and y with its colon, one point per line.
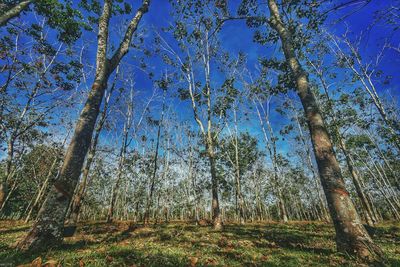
x: 271, y: 148
x: 122, y: 154
x: 42, y: 189
x: 239, y: 196
x: 77, y: 201
x: 216, y: 214
x: 324, y: 211
x: 8, y: 171
x: 367, y: 210
x: 47, y: 231
x: 351, y: 236
x: 155, y: 165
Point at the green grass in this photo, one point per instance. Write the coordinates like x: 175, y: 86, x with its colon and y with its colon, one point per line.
x: 181, y: 244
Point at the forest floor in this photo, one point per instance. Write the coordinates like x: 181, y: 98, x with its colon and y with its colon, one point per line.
x: 182, y: 244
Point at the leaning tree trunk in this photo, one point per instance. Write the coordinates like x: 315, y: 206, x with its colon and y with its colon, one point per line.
x: 366, y: 205
x: 368, y: 212
x: 78, y: 198
x: 351, y: 236
x: 47, y: 231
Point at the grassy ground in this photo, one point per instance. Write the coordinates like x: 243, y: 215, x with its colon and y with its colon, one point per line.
x: 180, y: 244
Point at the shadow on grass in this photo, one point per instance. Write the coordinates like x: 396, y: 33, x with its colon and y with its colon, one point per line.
x: 171, y: 244
x: 282, y: 237
x: 131, y: 256
x: 10, y: 255
x: 14, y: 230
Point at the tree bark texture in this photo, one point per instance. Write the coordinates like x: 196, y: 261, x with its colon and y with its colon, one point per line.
x: 47, y: 231
x: 351, y: 236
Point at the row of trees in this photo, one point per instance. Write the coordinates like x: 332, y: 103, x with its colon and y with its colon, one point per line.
x: 323, y: 138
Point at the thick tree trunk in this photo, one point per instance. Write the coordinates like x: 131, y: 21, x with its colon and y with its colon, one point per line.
x: 77, y: 201
x: 324, y: 210
x: 14, y: 11
x: 366, y: 205
x: 351, y: 236
x: 48, y: 229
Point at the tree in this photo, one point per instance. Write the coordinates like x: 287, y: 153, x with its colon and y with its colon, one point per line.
x: 38, y: 164
x: 128, y: 116
x: 233, y: 147
x: 79, y: 195
x: 163, y: 85
x: 34, y: 88
x: 48, y: 229
x: 351, y: 236
x: 198, y: 50
x: 59, y: 16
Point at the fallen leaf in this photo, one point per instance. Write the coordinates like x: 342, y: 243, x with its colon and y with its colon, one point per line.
x: 37, y: 262
x: 211, y: 262
x: 50, y: 263
x: 109, y: 258
x: 193, y: 261
x: 264, y: 258
x: 81, y: 263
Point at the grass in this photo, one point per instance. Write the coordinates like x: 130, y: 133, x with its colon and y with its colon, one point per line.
x: 183, y: 244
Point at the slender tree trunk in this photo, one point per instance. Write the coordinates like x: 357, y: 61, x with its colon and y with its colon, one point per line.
x: 324, y: 211
x: 351, y: 236
x: 155, y: 165
x: 9, y: 193
x: 369, y: 214
x: 42, y: 189
x: 216, y: 214
x: 239, y: 196
x: 271, y: 148
x: 122, y: 154
x: 47, y: 231
x: 14, y: 11
x: 9, y: 160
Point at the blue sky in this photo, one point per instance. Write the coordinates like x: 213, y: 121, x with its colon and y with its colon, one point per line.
x: 235, y: 37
